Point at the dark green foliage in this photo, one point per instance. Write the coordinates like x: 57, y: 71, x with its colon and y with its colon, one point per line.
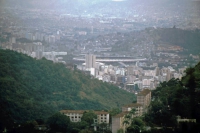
x: 104, y: 128
x: 175, y: 98
x: 78, y: 126
x: 138, y: 122
x: 34, y: 89
x: 114, y: 111
x: 133, y: 129
x: 28, y: 127
x: 89, y: 117
x: 166, y: 104
x: 136, y: 126
x: 59, y: 122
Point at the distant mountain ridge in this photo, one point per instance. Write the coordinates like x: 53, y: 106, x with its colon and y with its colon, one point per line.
x: 32, y: 89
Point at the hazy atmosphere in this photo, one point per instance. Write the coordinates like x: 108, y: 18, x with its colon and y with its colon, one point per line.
x: 99, y: 66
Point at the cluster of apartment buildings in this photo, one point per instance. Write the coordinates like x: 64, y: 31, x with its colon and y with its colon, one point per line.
x: 117, y: 123
x: 33, y: 49
x: 131, y: 78
x: 33, y: 36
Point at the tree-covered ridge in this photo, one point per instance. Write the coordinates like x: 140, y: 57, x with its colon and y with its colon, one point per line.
x: 188, y: 39
x: 176, y: 98
x: 32, y: 89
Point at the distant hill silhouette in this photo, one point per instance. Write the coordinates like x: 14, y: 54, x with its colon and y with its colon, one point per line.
x: 188, y: 39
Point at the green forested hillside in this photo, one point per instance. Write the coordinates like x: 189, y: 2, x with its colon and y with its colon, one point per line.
x: 176, y: 98
x: 31, y: 89
x: 188, y: 39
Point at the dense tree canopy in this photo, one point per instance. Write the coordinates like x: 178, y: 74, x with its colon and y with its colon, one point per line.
x: 176, y: 98
x: 35, y: 89
x: 89, y: 117
x: 59, y: 122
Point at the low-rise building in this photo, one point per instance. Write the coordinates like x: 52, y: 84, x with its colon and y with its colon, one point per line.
x: 118, y: 122
x: 144, y: 98
x: 76, y: 115
x: 143, y: 101
x: 102, y: 117
x: 138, y: 108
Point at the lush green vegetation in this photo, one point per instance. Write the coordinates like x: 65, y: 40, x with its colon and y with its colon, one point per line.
x: 135, y: 124
x: 171, y: 100
x: 177, y: 98
x: 34, y: 89
x: 61, y: 123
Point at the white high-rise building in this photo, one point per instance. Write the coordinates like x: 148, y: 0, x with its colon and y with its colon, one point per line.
x: 12, y: 40
x: 39, y: 49
x: 90, y: 61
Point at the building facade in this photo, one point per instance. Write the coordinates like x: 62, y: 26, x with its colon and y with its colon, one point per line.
x: 143, y: 101
x: 90, y: 61
x: 144, y: 98
x: 76, y: 115
x: 138, y: 108
x: 118, y: 122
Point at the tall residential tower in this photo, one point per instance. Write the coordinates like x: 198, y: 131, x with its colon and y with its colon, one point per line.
x: 90, y: 61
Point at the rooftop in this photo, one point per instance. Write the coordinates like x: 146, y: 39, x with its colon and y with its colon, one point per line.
x: 82, y: 111
x: 132, y: 105
x: 144, y: 92
x: 122, y: 114
x: 73, y: 111
x: 100, y: 112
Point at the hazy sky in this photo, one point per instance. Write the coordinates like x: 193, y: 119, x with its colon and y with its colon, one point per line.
x: 70, y: 4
